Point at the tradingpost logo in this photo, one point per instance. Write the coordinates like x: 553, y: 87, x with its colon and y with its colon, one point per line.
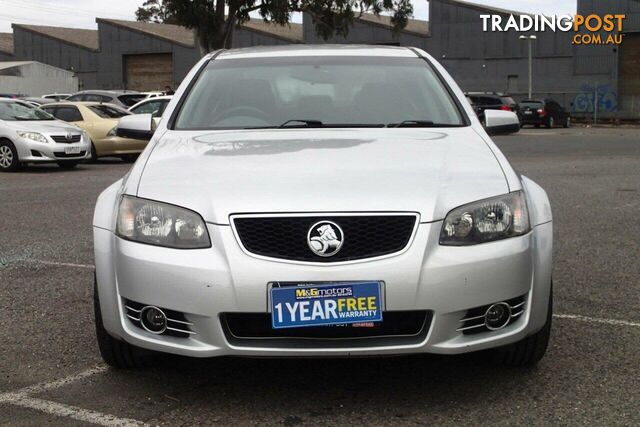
x: 589, y: 29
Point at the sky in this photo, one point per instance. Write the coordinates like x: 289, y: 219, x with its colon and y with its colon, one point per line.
x: 82, y: 13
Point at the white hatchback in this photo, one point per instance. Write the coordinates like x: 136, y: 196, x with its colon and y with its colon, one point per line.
x: 30, y: 135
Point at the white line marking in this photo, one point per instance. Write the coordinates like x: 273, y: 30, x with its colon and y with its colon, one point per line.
x: 68, y: 411
x: 62, y: 264
x: 45, y: 386
x: 614, y: 322
x: 21, y: 398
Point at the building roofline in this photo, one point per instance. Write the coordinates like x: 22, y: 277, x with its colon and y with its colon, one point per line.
x: 379, y: 23
x: 245, y: 26
x: 6, y: 43
x: 122, y: 24
x: 482, y: 8
x: 39, y: 29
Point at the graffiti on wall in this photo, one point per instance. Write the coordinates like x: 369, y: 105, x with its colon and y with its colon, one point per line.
x: 607, y: 99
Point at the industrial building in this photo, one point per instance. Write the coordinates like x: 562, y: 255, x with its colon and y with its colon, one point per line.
x: 142, y: 56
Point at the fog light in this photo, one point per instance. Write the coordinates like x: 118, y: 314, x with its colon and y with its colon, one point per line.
x: 497, y: 316
x: 153, y: 320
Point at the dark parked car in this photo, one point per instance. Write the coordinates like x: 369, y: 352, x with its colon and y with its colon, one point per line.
x: 493, y: 101
x: 548, y: 113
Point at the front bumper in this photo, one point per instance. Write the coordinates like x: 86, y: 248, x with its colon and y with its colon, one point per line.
x: 38, y: 152
x: 202, y: 284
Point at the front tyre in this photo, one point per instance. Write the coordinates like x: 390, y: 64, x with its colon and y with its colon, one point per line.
x: 115, y: 353
x: 94, y: 154
x: 9, y: 161
x: 530, y: 350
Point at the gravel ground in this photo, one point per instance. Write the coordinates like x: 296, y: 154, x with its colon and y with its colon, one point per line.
x: 589, y: 376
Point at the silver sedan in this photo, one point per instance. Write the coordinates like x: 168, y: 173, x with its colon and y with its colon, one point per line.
x: 322, y: 201
x: 29, y: 135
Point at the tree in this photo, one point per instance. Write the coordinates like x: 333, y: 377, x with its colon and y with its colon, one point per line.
x: 213, y: 21
x: 154, y: 11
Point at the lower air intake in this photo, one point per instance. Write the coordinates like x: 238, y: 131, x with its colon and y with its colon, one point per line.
x: 177, y: 323
x: 474, y: 320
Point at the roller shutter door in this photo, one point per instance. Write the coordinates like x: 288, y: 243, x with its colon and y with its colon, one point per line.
x: 148, y: 72
x: 629, y: 78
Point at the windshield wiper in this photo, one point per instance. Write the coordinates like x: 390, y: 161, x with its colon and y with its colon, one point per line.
x: 414, y: 124
x: 302, y: 122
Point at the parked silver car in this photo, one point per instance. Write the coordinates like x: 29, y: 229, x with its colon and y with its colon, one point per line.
x: 322, y: 201
x: 29, y: 135
x: 121, y: 98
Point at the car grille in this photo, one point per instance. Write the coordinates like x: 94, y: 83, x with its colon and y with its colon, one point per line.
x: 242, y: 328
x: 62, y: 139
x: 364, y: 236
x: 62, y: 155
x: 473, y: 321
x: 177, y: 324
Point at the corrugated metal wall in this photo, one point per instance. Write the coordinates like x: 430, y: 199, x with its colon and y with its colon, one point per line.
x: 29, y: 46
x: 116, y: 42
x: 600, y: 64
x: 245, y: 38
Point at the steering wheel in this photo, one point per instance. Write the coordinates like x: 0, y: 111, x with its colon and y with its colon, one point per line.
x: 243, y: 111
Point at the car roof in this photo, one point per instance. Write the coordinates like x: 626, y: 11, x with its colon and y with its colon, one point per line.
x: 108, y: 92
x: 147, y: 100
x: 81, y: 103
x: 155, y: 98
x: 316, y: 50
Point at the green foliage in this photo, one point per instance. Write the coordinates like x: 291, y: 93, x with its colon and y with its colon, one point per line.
x: 154, y: 11
x: 213, y: 21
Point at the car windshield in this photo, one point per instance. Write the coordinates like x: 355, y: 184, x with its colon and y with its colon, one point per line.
x: 13, y: 111
x: 507, y: 100
x: 108, y: 111
x: 531, y: 104
x: 318, y: 92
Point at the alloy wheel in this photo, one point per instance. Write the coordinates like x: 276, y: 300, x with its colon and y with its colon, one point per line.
x: 6, y: 157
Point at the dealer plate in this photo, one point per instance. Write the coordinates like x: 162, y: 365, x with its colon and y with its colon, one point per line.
x: 325, y: 304
x: 72, y: 150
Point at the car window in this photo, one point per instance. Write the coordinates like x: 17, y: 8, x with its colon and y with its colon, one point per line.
x: 131, y: 99
x: 92, y: 97
x: 531, y: 104
x: 13, y: 111
x: 507, y: 100
x: 67, y: 113
x: 155, y: 108
x: 108, y: 111
x: 480, y: 100
x: 337, y: 91
x: 76, y: 98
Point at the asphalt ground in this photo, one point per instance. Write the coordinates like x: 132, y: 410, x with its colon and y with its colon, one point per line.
x: 51, y: 372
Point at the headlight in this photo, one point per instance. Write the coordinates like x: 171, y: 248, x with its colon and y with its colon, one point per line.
x: 34, y: 136
x: 486, y: 220
x: 112, y: 132
x: 160, y: 224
